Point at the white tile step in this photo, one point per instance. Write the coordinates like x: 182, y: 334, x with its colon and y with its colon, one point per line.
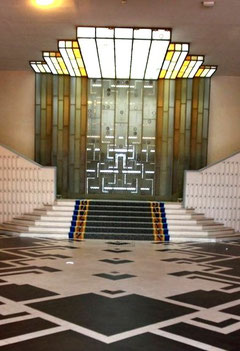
x: 24, y: 222
x: 36, y: 213
x: 199, y: 233
x: 55, y: 218
x: 204, y: 221
x: 195, y: 227
x: 13, y: 227
x: 54, y: 224
x: 27, y: 217
x: 67, y: 210
x: 44, y: 235
x: 66, y: 214
x: 72, y: 203
x: 9, y: 230
x: 62, y: 236
x: 47, y: 230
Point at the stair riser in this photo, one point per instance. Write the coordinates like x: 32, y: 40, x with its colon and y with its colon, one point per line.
x: 47, y: 230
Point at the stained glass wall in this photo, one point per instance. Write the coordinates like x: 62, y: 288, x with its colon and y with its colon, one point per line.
x: 121, y: 138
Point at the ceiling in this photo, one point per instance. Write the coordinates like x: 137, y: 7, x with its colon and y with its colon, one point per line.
x: 26, y: 31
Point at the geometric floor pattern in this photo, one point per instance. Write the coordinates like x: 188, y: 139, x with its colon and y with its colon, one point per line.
x: 64, y: 295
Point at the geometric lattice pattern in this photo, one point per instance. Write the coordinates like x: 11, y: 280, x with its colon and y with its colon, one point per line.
x: 121, y: 137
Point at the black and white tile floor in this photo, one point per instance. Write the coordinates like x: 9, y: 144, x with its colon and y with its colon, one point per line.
x: 120, y: 296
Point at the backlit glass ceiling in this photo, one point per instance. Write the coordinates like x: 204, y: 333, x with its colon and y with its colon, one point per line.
x: 123, y: 53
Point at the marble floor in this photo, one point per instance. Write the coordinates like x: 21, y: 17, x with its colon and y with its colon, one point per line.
x: 118, y: 295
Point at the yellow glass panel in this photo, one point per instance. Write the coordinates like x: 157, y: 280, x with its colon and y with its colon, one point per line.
x: 183, y: 69
x: 75, y: 44
x: 77, y: 53
x: 198, y: 74
x: 62, y: 65
x: 169, y: 56
x: 52, y: 54
x: 189, y: 69
x: 56, y: 65
x: 163, y: 73
x: 80, y: 63
x: 171, y: 47
x: 83, y: 72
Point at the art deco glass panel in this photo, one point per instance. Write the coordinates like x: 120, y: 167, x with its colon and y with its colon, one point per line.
x: 121, y: 137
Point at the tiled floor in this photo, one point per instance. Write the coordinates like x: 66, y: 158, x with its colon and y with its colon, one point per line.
x: 115, y: 295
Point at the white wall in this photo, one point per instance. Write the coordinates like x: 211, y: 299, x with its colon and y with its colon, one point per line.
x: 17, y: 99
x: 224, y: 120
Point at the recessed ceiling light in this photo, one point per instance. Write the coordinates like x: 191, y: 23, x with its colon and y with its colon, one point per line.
x: 46, y: 3
x: 208, y: 3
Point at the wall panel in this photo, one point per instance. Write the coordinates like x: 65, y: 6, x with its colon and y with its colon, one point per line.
x: 181, y: 132
x: 78, y: 122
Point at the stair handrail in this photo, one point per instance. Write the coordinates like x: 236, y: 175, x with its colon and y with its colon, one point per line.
x: 24, y: 184
x: 215, y: 190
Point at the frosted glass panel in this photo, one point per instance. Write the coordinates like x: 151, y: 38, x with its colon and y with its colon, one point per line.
x: 123, y: 117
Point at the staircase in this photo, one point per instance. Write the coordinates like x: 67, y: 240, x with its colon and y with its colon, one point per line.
x: 130, y: 220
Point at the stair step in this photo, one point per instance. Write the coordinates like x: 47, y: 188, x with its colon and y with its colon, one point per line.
x: 114, y: 218
x: 116, y: 203
x: 195, y: 227
x: 13, y: 226
x: 127, y: 220
x: 47, y: 229
x: 128, y: 230
x: 54, y: 235
x: 65, y: 219
x: 119, y: 224
x: 28, y: 217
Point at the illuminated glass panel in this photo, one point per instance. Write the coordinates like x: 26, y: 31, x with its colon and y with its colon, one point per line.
x: 72, y: 57
x: 90, y: 56
x: 206, y: 71
x: 123, y: 52
x: 174, y: 60
x: 190, y: 66
x: 106, y: 57
x: 55, y: 63
x: 161, y: 34
x: 139, y: 58
x: 123, y: 33
x: 40, y: 67
x: 121, y: 137
x: 156, y: 56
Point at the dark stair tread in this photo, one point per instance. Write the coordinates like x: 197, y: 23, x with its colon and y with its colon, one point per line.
x: 120, y: 203
x: 103, y: 218
x: 119, y: 214
x: 119, y: 208
x: 119, y: 224
x: 117, y: 230
x: 117, y: 236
